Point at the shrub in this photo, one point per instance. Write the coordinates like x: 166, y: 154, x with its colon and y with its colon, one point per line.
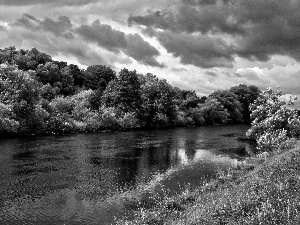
x: 274, y: 124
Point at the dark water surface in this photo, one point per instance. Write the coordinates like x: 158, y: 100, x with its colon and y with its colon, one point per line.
x: 90, y: 178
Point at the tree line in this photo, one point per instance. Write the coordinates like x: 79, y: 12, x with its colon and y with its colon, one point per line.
x: 39, y: 95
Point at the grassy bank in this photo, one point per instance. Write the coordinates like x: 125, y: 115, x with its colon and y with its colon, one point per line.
x: 262, y: 190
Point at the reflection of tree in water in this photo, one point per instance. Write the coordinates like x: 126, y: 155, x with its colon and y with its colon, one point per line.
x: 25, y: 150
x: 160, y: 157
x: 190, y: 148
x: 140, y: 163
x: 127, y: 164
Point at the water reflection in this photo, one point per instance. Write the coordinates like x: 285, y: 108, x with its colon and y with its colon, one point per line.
x: 80, y: 179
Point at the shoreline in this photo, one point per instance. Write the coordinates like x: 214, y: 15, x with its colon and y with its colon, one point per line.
x: 52, y: 133
x: 263, y: 189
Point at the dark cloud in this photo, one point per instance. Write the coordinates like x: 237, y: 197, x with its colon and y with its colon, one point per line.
x: 274, y: 28
x: 61, y: 28
x: 2, y: 28
x: 192, y: 18
x: 132, y: 45
x: 210, y: 73
x: 141, y: 50
x: 104, y: 35
x: 237, y: 75
x: 204, y: 2
x: 159, y: 19
x: 85, y: 56
x: 198, y: 50
x: 258, y: 29
x: 45, y: 2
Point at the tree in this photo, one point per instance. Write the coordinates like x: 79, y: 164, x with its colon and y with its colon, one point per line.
x: 231, y: 103
x: 186, y: 99
x: 98, y: 76
x: 20, y: 91
x: 212, y: 111
x: 158, y: 104
x: 67, y: 81
x: 77, y: 74
x: 8, y: 55
x: 273, y: 123
x: 50, y: 73
x: 246, y: 96
x: 124, y: 93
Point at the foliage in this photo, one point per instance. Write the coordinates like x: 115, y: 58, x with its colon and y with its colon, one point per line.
x: 98, y: 76
x: 274, y: 123
x: 158, y: 105
x: 40, y: 95
x: 7, y: 122
x: 231, y: 103
x: 246, y: 95
x: 186, y: 99
x: 108, y: 118
x: 129, y: 121
x: 20, y: 90
x: 123, y: 93
x: 213, y: 112
x: 24, y: 59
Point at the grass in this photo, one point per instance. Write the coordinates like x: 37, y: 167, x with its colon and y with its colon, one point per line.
x: 262, y: 190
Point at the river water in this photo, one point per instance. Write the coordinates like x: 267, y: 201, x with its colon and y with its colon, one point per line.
x: 92, y: 178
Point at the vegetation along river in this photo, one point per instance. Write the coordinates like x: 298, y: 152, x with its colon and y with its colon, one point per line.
x: 92, y: 178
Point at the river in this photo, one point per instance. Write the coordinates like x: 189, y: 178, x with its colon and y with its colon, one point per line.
x: 93, y: 178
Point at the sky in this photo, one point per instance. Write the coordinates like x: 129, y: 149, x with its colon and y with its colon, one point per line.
x: 201, y: 45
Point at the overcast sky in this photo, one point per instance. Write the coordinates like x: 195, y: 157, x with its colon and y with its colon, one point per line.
x: 201, y: 45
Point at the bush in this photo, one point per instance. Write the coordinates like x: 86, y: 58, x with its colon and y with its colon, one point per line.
x: 274, y: 124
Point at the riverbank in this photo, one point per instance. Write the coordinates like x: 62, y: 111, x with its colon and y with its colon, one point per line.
x: 262, y: 190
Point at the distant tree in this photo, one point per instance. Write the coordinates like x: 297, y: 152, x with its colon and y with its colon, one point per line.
x: 202, y: 99
x: 98, y: 76
x: 231, y: 103
x: 186, y: 99
x: 8, y: 55
x: 158, y: 104
x: 61, y: 64
x: 50, y: 73
x: 124, y: 92
x: 21, y: 92
x: 77, y: 74
x: 67, y: 81
x: 210, y: 113
x: 48, y: 92
x: 246, y: 96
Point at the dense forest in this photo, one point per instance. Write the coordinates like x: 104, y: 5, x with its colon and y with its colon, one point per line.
x: 39, y: 95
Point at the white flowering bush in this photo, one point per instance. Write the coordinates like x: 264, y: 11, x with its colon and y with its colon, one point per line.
x: 274, y: 125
